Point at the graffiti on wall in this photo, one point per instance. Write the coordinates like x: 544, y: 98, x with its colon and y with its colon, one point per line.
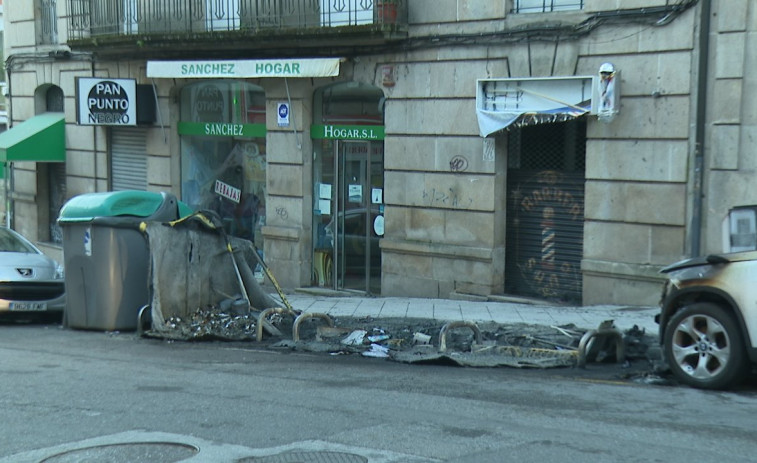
x: 550, y: 228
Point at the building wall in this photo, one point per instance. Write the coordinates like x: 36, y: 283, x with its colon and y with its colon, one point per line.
x: 445, y: 227
x: 730, y: 163
x: 637, y: 203
x: 636, y: 189
x: 288, y: 223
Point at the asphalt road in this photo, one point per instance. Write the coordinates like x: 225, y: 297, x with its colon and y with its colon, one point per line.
x: 70, y: 395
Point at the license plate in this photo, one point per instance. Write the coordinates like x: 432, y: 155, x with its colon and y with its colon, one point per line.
x: 28, y: 306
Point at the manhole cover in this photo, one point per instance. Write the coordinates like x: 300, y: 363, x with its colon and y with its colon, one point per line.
x: 308, y: 457
x: 164, y: 452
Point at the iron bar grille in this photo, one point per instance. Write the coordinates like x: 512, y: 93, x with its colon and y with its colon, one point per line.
x: 93, y: 18
x: 545, y: 6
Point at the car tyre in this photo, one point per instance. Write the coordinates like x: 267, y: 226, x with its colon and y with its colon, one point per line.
x: 704, y: 348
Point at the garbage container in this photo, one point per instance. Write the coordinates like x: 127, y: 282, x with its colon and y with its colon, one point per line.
x: 107, y: 257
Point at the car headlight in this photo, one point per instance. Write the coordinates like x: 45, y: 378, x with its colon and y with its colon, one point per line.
x: 59, y: 272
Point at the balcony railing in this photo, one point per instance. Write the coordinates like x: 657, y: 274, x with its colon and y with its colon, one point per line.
x: 544, y: 6
x: 90, y: 19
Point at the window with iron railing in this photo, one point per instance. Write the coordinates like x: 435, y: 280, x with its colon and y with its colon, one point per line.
x: 90, y: 18
x: 47, y: 22
x: 544, y: 6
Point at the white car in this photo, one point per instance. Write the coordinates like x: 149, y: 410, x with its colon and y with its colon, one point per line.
x: 31, y: 283
x: 708, y: 319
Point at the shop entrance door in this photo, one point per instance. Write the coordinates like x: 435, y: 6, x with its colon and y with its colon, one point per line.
x: 359, y: 169
x: 545, y: 211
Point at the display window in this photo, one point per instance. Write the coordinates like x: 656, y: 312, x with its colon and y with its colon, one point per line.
x: 223, y: 154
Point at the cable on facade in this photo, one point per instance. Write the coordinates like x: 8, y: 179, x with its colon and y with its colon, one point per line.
x: 18, y: 60
x: 655, y: 16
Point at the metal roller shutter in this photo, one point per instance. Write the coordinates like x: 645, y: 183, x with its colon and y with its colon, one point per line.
x: 128, y: 167
x: 545, y: 210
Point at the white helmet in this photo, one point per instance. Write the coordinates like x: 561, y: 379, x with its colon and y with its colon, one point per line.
x: 606, y: 67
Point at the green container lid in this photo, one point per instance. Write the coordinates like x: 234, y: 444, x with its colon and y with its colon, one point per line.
x: 184, y: 210
x: 130, y: 203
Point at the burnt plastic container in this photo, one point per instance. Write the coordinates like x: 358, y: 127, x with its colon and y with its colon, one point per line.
x: 107, y: 257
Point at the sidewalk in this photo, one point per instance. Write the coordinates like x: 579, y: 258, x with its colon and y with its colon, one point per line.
x: 504, y: 312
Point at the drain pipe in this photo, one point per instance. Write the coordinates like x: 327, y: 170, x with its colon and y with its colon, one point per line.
x: 701, y: 115
x: 9, y: 183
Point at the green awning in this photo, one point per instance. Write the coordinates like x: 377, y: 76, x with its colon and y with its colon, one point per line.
x: 41, y: 139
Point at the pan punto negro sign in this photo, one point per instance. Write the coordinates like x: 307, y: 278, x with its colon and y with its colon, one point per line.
x: 106, y: 101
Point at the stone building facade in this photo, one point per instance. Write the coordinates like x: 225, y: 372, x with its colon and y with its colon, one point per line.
x: 376, y: 177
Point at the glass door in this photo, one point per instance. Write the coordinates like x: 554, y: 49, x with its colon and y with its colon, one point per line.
x: 359, y: 215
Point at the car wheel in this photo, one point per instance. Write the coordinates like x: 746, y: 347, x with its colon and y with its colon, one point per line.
x: 704, y: 348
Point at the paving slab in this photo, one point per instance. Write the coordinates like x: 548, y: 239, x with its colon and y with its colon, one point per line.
x: 588, y: 317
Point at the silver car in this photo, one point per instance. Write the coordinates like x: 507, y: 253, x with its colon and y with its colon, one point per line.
x: 31, y: 283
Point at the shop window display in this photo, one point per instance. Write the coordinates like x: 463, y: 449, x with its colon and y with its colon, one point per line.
x: 223, y: 154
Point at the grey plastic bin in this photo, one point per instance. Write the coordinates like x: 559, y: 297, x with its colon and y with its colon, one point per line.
x: 107, y: 257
